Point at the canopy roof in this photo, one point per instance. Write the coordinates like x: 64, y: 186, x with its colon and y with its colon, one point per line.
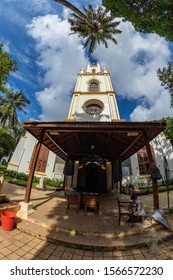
x: 99, y: 140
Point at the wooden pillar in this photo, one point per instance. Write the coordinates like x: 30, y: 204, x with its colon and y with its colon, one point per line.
x: 65, y: 168
x: 154, y: 181
x: 32, y: 168
x: 75, y: 174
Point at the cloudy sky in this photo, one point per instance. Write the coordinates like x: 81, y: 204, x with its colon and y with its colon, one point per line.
x: 36, y: 33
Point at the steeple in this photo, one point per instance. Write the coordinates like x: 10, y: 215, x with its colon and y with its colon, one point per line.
x: 93, y: 68
x: 93, y: 97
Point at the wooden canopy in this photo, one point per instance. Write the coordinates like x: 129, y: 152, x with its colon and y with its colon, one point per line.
x: 102, y: 140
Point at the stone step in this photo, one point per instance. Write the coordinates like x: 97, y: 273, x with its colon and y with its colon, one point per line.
x: 99, y: 242
x: 121, y: 231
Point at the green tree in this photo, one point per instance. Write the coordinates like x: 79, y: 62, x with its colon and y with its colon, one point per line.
x: 152, y: 16
x: 18, y: 131
x: 166, y: 77
x: 7, y: 65
x: 96, y: 26
x: 7, y: 143
x: 169, y: 130
x: 10, y: 103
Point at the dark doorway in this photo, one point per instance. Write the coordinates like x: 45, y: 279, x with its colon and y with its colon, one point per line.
x: 92, y: 177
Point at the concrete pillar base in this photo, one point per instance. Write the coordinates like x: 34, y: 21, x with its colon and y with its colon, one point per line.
x: 25, y: 210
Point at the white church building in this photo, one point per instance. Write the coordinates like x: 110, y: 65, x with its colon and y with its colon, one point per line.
x: 94, y: 100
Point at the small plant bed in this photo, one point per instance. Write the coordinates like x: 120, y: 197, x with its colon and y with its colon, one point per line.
x: 145, y: 191
x: 50, y: 184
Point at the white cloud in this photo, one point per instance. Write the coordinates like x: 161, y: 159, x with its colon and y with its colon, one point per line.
x: 60, y: 57
x: 132, y: 64
x: 159, y: 109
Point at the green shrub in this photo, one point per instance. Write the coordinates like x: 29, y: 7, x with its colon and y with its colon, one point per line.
x: 53, y: 182
x: 36, y: 180
x: 4, y: 162
x: 2, y: 168
x: 22, y: 176
x: 170, y: 210
x: 10, y: 173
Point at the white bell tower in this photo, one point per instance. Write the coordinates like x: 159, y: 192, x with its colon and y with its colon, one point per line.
x: 94, y: 97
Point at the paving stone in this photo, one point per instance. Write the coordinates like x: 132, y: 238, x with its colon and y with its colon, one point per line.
x: 80, y: 252
x: 6, y: 243
x: 5, y: 251
x: 14, y: 256
x: 1, y: 256
x: 117, y: 258
x: 87, y: 258
x: 20, y: 252
x: 76, y: 257
x: 69, y: 250
x: 88, y: 253
x: 44, y: 255
x: 117, y: 254
x: 139, y: 257
x: 66, y: 256
x: 12, y: 247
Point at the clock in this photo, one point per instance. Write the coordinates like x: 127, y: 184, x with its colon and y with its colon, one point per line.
x: 93, y: 109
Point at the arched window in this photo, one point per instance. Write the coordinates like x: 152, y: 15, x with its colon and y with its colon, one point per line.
x: 143, y: 161
x: 93, y: 87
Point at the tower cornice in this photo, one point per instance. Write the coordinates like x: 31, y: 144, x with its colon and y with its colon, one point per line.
x: 93, y: 92
x: 95, y: 74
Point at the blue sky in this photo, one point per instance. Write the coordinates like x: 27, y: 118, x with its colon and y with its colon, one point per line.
x: 36, y: 33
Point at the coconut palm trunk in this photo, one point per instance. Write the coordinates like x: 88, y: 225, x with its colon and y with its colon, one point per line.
x: 72, y: 8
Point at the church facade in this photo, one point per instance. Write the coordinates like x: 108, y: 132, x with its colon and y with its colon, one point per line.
x: 93, y: 100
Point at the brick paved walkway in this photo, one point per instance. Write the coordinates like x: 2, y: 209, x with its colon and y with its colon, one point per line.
x: 15, y: 245
x: 21, y: 245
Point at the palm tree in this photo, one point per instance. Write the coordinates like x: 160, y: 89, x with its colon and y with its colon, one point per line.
x: 95, y: 25
x: 10, y: 103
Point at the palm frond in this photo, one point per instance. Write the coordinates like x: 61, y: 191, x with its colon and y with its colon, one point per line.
x: 98, y: 27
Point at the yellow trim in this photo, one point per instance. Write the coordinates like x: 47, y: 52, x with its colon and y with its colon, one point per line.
x: 69, y: 120
x: 13, y: 164
x: 24, y: 136
x: 118, y: 120
x: 144, y: 176
x: 167, y: 139
x: 93, y: 74
x: 37, y: 172
x: 93, y: 92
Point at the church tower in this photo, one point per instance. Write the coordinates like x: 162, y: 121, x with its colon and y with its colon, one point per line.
x: 93, y: 98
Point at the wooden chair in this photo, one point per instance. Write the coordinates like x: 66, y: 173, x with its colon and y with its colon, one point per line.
x: 127, y: 209
x: 91, y: 201
x: 73, y: 199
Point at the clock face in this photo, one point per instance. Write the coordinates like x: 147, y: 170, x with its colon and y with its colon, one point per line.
x: 93, y: 109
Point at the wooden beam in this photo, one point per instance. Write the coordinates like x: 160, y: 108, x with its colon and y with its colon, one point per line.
x: 136, y: 139
x: 61, y: 151
x: 32, y: 168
